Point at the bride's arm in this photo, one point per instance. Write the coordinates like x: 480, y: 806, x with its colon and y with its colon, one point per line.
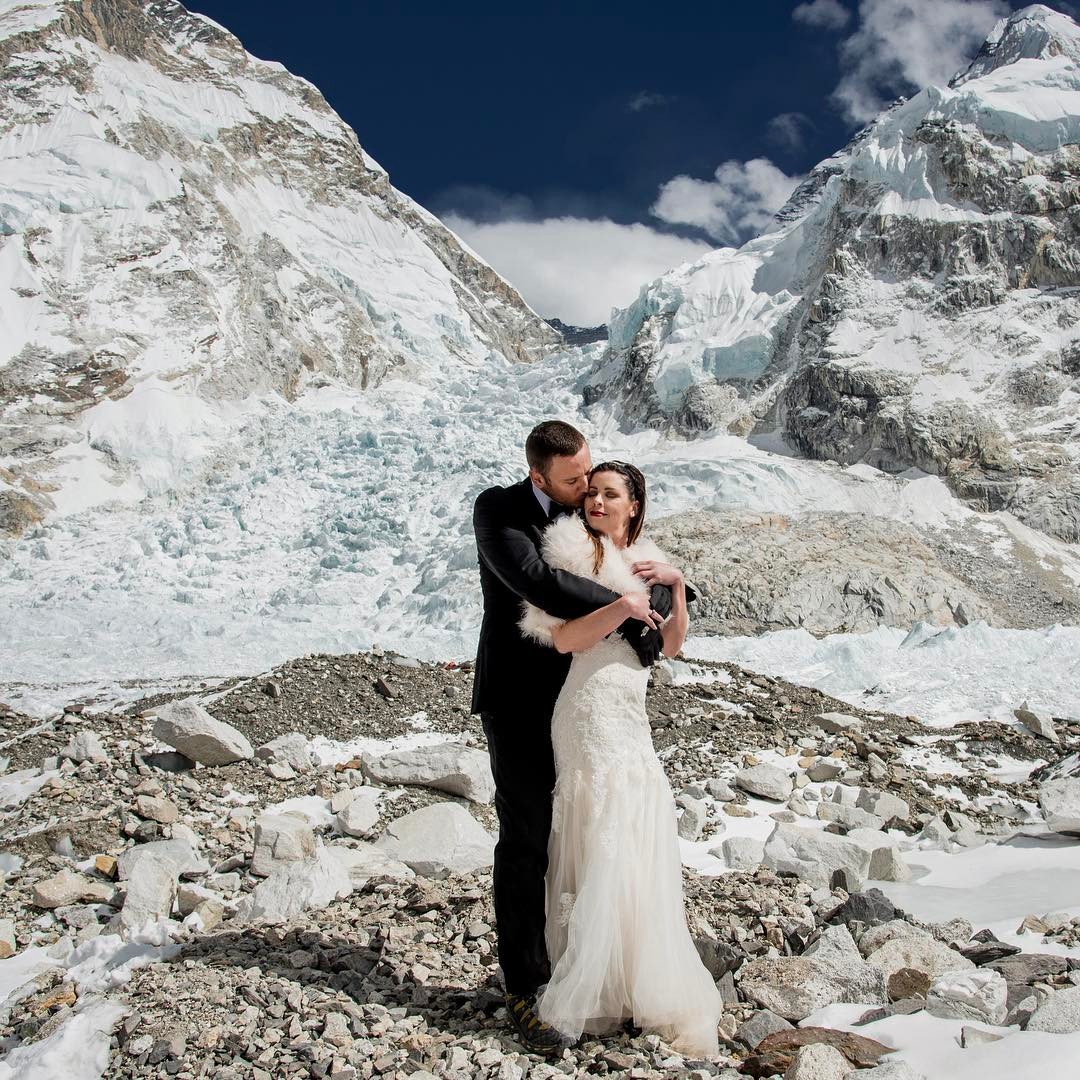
x: 582, y: 633
x: 655, y: 572
x: 674, y: 630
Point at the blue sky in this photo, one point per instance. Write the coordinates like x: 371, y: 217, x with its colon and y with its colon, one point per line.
x: 585, y: 148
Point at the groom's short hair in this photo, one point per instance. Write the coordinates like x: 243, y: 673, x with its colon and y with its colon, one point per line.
x: 549, y: 439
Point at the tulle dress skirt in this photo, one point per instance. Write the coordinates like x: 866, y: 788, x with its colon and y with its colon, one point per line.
x: 616, y: 923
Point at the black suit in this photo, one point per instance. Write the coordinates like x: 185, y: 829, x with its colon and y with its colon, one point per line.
x: 514, y: 690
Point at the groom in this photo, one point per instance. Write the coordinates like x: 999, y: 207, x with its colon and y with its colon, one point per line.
x: 515, y: 687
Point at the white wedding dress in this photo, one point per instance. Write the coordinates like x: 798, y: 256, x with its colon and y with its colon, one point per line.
x: 616, y: 925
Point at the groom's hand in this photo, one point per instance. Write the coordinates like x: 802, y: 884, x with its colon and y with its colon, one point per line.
x: 644, y: 640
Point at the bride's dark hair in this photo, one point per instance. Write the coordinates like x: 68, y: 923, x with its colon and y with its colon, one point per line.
x: 635, y: 485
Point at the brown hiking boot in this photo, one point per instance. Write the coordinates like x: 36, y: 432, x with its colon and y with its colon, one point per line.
x: 536, y: 1036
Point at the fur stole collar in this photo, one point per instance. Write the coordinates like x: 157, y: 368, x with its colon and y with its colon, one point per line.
x: 568, y: 546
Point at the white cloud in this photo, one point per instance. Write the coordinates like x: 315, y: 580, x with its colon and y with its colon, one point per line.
x: 786, y: 130
x: 646, y: 99
x: 904, y: 45
x: 828, y: 14
x: 574, y: 268
x: 738, y: 203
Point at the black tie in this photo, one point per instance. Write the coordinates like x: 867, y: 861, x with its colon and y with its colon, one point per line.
x: 556, y: 511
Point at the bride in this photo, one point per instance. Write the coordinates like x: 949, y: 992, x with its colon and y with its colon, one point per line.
x: 616, y: 925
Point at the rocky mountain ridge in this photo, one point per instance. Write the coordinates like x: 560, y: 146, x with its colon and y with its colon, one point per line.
x: 915, y: 303
x: 187, y: 231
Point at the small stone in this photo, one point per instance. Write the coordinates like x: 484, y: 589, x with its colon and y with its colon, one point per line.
x: 336, y: 1029
x: 763, y: 1022
x: 720, y: 790
x: 734, y: 809
x: 105, y: 865
x: 67, y: 887
x: 818, y: 1062
x: 970, y: 1036
x: 908, y: 983
x: 7, y: 938
x: 836, y: 723
x: 86, y: 746
x: 767, y: 781
x: 160, y: 810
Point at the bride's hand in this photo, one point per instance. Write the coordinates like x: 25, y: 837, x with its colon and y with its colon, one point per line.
x: 637, y: 606
x: 657, y: 573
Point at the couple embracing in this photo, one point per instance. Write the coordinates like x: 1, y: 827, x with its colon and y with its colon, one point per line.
x: 578, y: 605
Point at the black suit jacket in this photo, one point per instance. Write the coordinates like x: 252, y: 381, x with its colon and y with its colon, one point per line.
x: 513, y: 671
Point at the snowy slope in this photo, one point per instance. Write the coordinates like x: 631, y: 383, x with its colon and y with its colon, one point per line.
x: 916, y: 303
x: 186, y: 232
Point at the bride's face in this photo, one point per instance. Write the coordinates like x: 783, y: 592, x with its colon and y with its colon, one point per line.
x: 608, y: 506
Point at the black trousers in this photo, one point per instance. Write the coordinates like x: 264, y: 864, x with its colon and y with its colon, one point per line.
x: 523, y: 764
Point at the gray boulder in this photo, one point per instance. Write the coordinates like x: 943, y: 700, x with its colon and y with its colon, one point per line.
x: 768, y: 781
x: 451, y: 767
x: 186, y: 726
x: 818, y: 1061
x: 692, y: 818
x: 741, y: 852
x: 815, y: 856
x: 925, y: 954
x: 836, y: 723
x: 67, y: 887
x: 762, y: 1023
x: 85, y: 746
x: 151, y: 891
x: 1037, y: 723
x: 297, y: 886
x: 795, y: 986
x: 1060, y: 803
x: 1059, y: 1014
x: 361, y: 814
x: 290, y: 749
x: 851, y: 816
x: 178, y: 852
x: 365, y: 861
x: 969, y: 995
x: 439, y: 840
x: 883, y: 804
x: 281, y: 838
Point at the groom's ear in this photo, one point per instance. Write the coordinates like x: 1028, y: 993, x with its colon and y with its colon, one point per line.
x: 538, y: 478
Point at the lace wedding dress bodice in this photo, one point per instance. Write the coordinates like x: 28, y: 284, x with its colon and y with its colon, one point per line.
x: 616, y: 925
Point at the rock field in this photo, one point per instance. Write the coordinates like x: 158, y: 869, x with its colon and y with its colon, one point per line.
x: 289, y: 876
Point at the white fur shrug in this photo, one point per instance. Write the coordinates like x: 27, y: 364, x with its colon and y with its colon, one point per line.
x: 568, y: 546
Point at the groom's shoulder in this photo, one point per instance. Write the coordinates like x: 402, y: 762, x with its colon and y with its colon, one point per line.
x: 494, y: 499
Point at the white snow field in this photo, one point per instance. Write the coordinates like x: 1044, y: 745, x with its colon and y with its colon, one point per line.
x: 344, y: 520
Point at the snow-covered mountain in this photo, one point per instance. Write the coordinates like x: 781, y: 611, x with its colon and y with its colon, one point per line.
x: 915, y: 304
x: 185, y: 232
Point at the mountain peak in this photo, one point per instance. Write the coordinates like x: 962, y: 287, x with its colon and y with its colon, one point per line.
x: 1032, y: 33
